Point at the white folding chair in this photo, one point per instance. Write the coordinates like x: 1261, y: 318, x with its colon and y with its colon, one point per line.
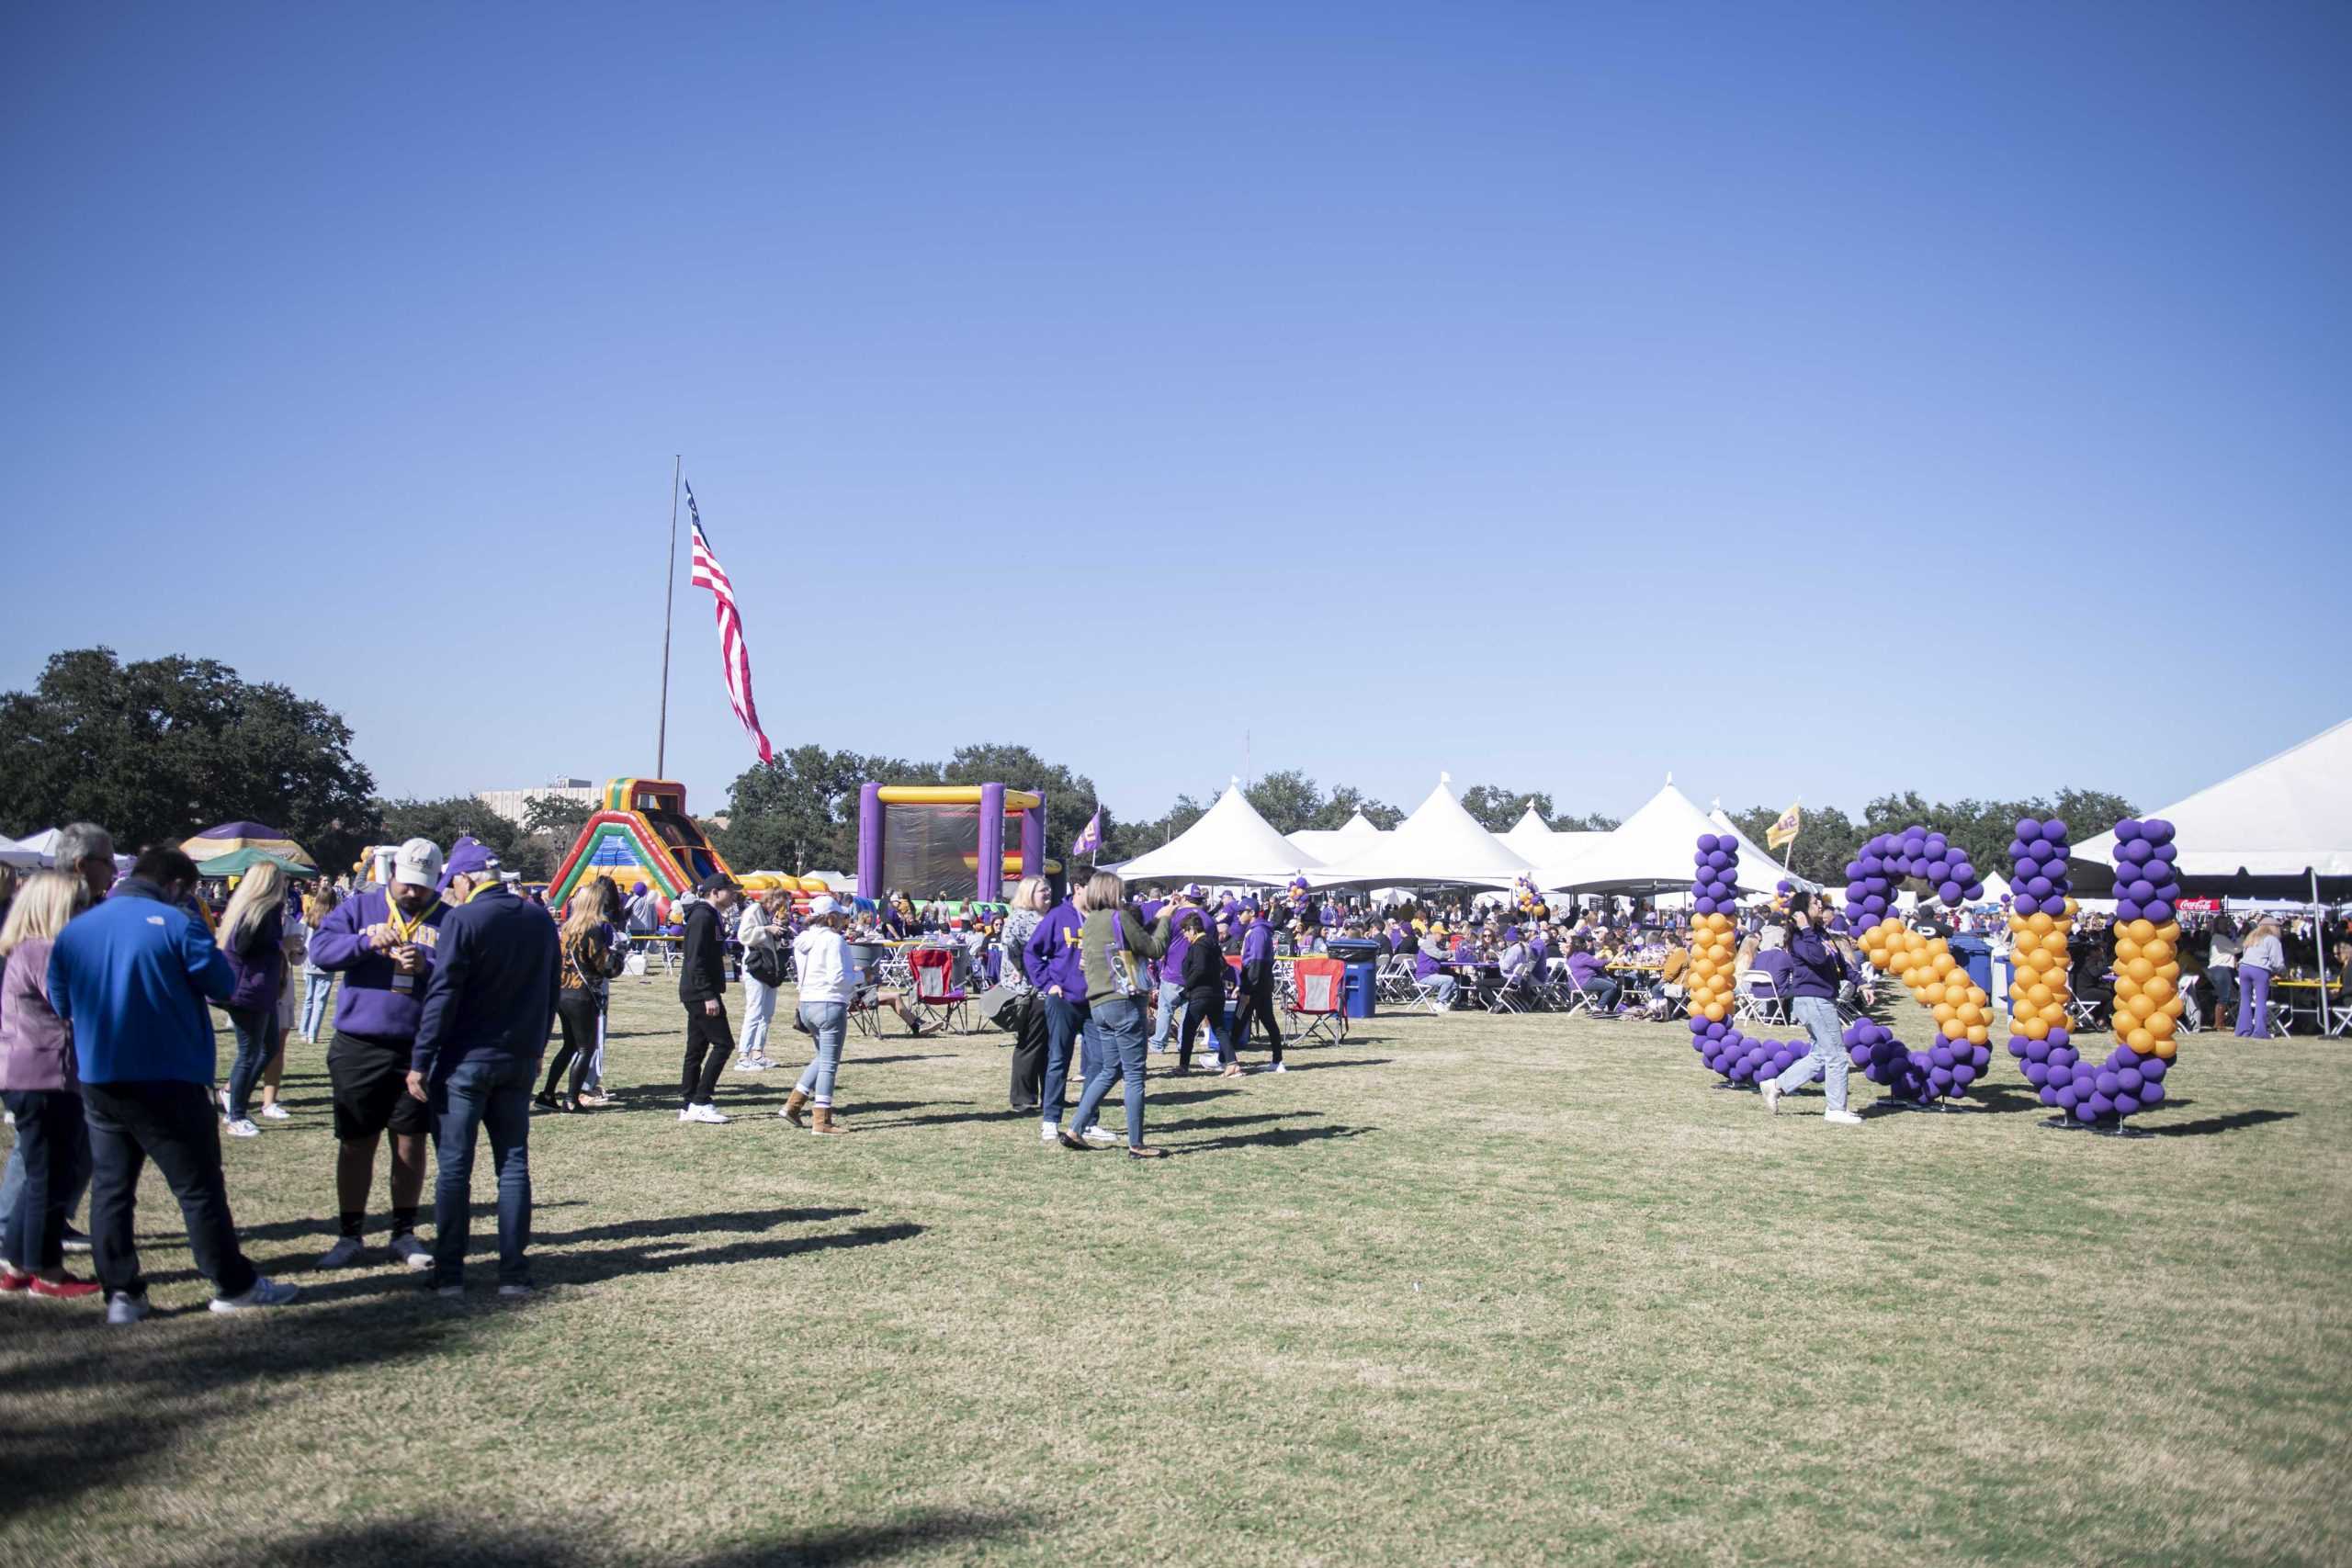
x: 1750, y: 1005
x: 1395, y: 982
x: 1583, y: 1001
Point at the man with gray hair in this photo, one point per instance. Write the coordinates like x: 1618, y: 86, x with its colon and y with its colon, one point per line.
x: 87, y: 850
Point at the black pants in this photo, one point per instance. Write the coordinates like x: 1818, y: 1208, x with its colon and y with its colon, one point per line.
x: 1198, y: 1010
x: 575, y: 1009
x: 176, y: 1125
x: 1257, y: 1001
x: 1029, y: 1052
x: 710, y: 1045
x: 51, y: 1139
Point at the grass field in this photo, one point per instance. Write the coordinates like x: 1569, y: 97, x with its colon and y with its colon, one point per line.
x: 1461, y: 1290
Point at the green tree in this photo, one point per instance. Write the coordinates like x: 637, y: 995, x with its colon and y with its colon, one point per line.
x: 796, y: 813
x: 162, y: 748
x: 1498, y: 810
x: 1822, y: 849
x: 1288, y: 800
x: 451, y: 817
x: 1347, y: 800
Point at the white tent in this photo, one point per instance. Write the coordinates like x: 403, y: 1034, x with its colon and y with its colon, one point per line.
x: 1997, y: 887
x: 1651, y: 850
x: 1439, y: 842
x: 2287, y: 820
x: 1325, y: 845
x: 41, y: 843
x: 1748, y: 850
x: 20, y: 854
x: 1230, y: 843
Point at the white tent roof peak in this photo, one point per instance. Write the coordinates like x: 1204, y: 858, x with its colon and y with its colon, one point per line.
x: 1651, y: 852
x: 1438, y: 842
x: 1328, y: 845
x: 1531, y: 818
x: 2288, y: 816
x: 1358, y: 826
x: 1229, y: 843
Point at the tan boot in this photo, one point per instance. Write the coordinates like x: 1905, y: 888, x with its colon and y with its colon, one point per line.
x: 792, y: 1103
x: 826, y: 1126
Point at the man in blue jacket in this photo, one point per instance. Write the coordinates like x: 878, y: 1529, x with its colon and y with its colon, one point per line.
x: 489, y: 1008
x: 381, y: 940
x: 132, y: 976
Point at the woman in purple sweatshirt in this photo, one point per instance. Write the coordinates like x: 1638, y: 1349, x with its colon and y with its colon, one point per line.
x: 253, y: 938
x: 1817, y: 966
x: 1051, y: 958
x: 37, y: 1082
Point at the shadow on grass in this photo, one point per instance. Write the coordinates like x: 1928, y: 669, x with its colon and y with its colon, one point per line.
x: 2208, y: 1126
x: 1207, y: 1121
x: 1318, y: 1066
x: 1272, y: 1138
x: 137, y: 1394
x: 487, y: 1546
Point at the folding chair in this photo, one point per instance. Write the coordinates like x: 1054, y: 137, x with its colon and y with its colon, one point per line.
x: 1396, y: 980
x: 1318, y: 994
x: 2083, y: 1011
x: 1584, y: 1002
x: 1752, y: 1005
x: 937, y: 997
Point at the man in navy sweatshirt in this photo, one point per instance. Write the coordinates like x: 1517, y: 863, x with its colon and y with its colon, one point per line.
x: 131, y: 975
x: 382, y: 942
x: 489, y: 1008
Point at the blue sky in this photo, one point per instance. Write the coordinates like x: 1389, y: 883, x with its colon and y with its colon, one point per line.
x: 1814, y: 400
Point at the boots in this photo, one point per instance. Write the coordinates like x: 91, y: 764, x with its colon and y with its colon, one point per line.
x: 826, y: 1126
x: 792, y: 1103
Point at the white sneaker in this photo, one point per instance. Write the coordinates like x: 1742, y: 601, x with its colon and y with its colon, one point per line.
x: 752, y: 1064
x: 1048, y: 1134
x: 123, y: 1307
x: 1100, y: 1136
x: 225, y: 1107
x: 1278, y: 1067
x: 514, y: 1292
x: 412, y: 1252
x: 1772, y: 1093
x: 343, y: 1254
x: 277, y: 1112
x: 240, y: 1128
x: 1841, y: 1118
x: 265, y: 1292
x: 704, y: 1114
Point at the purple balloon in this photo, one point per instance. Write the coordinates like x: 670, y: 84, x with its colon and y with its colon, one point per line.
x: 2151, y: 1094
x: 2160, y: 911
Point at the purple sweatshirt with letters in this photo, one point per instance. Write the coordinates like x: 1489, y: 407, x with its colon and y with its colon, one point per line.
x: 368, y: 1005
x: 1052, y: 953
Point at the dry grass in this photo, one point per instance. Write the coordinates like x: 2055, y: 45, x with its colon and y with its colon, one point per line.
x: 1460, y: 1291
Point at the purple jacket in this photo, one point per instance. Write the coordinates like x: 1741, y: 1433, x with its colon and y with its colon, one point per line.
x: 369, y: 1005
x: 1584, y: 966
x: 1051, y: 953
x: 36, y: 1048
x: 260, y: 969
x: 1256, y: 946
x: 1815, y: 967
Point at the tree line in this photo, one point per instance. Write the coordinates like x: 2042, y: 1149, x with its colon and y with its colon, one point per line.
x: 162, y: 748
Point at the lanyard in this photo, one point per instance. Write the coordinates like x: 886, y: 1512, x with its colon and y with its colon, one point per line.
x: 402, y: 930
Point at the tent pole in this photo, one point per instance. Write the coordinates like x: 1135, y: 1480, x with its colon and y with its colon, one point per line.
x: 2319, y: 946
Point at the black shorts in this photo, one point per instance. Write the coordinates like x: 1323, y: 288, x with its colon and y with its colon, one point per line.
x: 371, y: 1080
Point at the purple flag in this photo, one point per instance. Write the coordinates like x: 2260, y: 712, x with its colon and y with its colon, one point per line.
x: 1089, y: 842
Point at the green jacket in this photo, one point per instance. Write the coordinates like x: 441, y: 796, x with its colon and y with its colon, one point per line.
x: 1098, y: 938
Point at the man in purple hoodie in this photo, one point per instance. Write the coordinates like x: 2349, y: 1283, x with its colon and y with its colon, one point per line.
x: 1055, y: 969
x: 1257, y: 997
x: 382, y: 941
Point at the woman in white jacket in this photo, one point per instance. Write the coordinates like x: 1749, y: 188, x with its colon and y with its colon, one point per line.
x: 820, y: 959
x: 756, y: 928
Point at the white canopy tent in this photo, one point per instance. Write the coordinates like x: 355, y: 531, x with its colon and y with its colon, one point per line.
x: 1439, y: 844
x: 1543, y: 844
x: 2286, y: 822
x: 1325, y: 845
x: 1651, y: 850
x: 1230, y: 843
x: 13, y: 853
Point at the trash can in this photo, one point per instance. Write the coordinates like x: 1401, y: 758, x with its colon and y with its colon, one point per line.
x: 1362, y: 992
x: 1976, y: 956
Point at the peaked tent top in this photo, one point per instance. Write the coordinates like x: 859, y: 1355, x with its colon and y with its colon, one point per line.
x: 1651, y: 850
x: 1230, y: 843
x: 1439, y: 842
x: 2287, y: 816
x: 1329, y: 844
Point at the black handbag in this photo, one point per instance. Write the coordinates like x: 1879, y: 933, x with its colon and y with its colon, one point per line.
x: 764, y: 964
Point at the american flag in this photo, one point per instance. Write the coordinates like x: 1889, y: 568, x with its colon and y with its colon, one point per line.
x: 734, y: 656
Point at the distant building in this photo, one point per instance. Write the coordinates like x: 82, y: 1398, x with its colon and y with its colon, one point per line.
x: 515, y: 804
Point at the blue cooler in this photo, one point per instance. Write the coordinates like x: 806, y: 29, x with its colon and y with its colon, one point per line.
x: 1976, y: 956
x: 1362, y: 992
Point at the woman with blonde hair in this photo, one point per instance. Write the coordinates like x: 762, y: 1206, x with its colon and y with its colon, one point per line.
x: 43, y: 1091
x: 589, y: 963
x: 2261, y: 956
x: 1029, y: 901
x: 1115, y: 947
x: 253, y: 936
x: 318, y: 984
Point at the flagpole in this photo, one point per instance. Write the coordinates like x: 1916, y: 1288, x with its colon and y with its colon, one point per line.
x: 668, y: 587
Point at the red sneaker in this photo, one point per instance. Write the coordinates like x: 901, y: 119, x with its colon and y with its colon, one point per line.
x: 69, y: 1288
x: 12, y: 1281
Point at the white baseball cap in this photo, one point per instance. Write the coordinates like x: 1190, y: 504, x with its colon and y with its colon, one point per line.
x: 822, y: 904
x: 417, y: 862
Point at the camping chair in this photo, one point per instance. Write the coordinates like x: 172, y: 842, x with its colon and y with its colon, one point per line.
x: 1757, y: 1000
x: 1318, y: 994
x: 937, y: 997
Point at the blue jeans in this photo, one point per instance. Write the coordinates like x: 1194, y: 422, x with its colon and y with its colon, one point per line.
x: 54, y: 1148
x: 1065, y: 1021
x: 828, y: 1021
x: 1829, y: 1059
x: 493, y: 1093
x: 316, y: 988
x: 759, y: 1011
x: 13, y: 1182
x: 259, y: 1038
x: 1172, y: 1012
x: 1120, y: 1023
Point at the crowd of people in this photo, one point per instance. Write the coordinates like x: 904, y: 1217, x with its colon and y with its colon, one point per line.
x: 439, y: 991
